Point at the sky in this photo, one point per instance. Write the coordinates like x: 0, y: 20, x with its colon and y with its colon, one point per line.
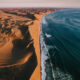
x: 41, y: 3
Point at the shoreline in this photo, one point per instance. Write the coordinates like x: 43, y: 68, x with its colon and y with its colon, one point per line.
x: 35, y: 34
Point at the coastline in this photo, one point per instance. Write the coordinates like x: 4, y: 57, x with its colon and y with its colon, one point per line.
x: 35, y: 33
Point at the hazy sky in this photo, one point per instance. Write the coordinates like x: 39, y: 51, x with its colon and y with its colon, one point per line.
x: 40, y: 3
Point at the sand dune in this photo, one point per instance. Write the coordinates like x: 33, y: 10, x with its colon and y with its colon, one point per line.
x: 19, y: 45
x: 11, y: 39
x: 16, y: 48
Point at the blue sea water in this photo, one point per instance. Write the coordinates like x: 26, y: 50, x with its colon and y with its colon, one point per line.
x: 60, y: 45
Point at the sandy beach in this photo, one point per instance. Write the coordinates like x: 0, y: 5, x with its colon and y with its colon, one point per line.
x: 35, y: 32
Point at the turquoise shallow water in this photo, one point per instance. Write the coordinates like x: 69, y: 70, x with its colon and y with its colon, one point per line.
x: 61, y: 35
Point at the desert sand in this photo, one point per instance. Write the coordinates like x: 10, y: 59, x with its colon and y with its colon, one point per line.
x: 19, y: 46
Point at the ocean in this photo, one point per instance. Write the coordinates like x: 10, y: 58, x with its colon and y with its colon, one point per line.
x: 60, y: 45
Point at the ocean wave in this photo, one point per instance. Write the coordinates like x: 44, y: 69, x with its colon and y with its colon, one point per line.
x: 46, y: 69
x: 47, y: 35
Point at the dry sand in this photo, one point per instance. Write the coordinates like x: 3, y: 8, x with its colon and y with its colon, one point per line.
x: 6, y: 41
x: 35, y: 32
